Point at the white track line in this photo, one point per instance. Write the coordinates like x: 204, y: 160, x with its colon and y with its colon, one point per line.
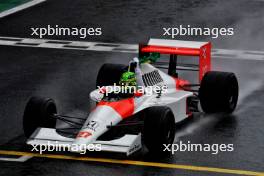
x: 118, y: 47
x: 20, y: 7
x: 20, y: 159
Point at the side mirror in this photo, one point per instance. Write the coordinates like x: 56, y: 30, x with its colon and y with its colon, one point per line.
x: 96, y: 96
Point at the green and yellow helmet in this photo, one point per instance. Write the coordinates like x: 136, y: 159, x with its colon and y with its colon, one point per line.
x: 128, y: 79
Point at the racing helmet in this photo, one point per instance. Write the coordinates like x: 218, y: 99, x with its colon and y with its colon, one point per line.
x: 128, y: 79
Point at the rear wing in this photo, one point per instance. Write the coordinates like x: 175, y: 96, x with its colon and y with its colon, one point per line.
x: 178, y: 47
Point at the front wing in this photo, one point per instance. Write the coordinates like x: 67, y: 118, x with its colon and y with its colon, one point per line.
x: 127, y: 144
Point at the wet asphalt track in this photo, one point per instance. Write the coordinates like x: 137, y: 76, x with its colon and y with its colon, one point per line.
x: 68, y: 77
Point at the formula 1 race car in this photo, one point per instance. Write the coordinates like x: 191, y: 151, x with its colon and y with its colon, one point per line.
x: 122, y: 123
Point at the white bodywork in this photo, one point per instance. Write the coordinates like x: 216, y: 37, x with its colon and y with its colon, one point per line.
x: 173, y: 98
x: 105, y: 115
x: 176, y: 43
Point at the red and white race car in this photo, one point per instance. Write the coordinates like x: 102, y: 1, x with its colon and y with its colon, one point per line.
x: 124, y: 123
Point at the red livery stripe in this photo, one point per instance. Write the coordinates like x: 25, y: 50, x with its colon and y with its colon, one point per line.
x: 124, y: 107
x: 171, y: 50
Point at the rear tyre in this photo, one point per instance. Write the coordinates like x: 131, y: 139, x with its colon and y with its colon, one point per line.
x: 38, y: 113
x: 110, y: 74
x: 159, y: 128
x: 218, y: 92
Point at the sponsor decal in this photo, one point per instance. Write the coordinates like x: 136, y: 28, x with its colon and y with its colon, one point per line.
x: 134, y: 148
x: 83, y: 134
x: 204, y: 53
x: 92, y: 125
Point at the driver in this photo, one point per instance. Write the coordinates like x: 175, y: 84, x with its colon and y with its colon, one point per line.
x: 128, y: 79
x: 129, y: 82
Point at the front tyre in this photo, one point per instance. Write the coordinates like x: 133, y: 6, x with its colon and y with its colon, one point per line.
x: 38, y: 113
x: 218, y: 92
x: 159, y: 128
